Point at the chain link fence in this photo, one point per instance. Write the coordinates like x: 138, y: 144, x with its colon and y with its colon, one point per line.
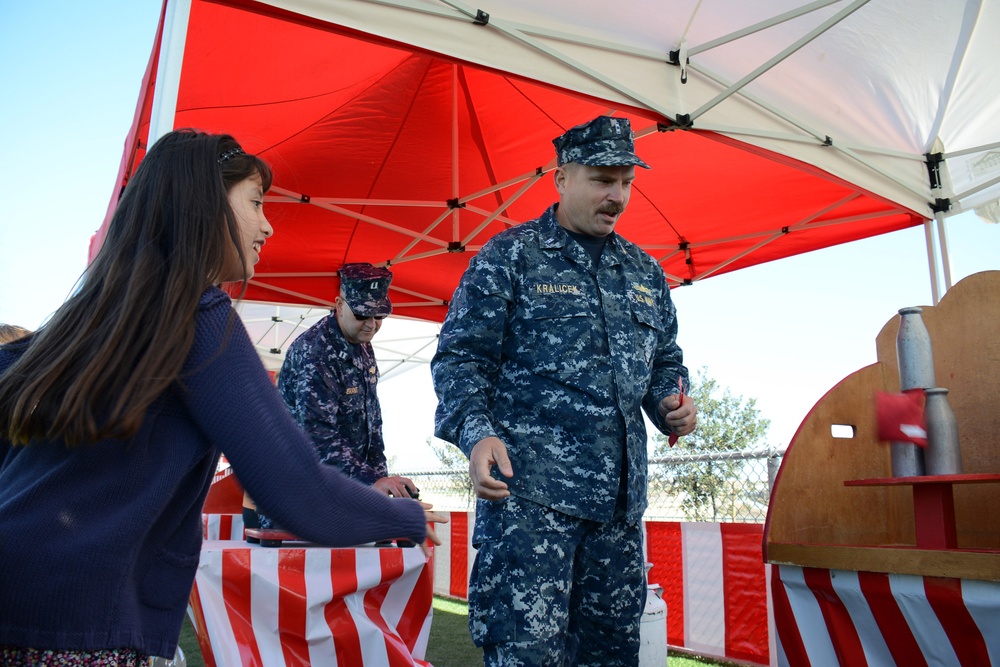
x: 725, y: 487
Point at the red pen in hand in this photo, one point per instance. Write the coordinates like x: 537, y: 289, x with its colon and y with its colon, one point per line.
x: 672, y: 438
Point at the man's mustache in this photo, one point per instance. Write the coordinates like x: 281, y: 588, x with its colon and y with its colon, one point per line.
x: 611, y: 209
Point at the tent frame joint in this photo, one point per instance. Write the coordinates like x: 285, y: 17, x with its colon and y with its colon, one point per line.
x: 482, y: 18
x: 941, y: 205
x: 454, y: 203
x: 304, y: 199
x: 683, y: 121
x: 455, y: 246
x: 674, y: 58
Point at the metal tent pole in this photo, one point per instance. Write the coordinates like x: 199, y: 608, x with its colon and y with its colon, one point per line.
x: 455, y: 226
x: 932, y: 261
x: 945, y: 255
x: 168, y: 70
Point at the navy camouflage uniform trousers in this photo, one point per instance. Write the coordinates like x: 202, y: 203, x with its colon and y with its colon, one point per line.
x: 558, y: 358
x: 329, y: 386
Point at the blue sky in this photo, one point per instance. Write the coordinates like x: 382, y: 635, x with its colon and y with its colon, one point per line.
x: 784, y: 332
x: 69, y: 82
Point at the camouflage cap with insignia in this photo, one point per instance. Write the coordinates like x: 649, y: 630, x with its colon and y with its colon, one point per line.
x: 366, y: 289
x: 603, y: 142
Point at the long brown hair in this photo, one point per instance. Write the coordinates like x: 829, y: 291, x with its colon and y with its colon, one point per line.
x: 121, y: 339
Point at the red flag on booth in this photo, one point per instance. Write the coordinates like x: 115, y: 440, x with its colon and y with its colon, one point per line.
x: 901, y: 417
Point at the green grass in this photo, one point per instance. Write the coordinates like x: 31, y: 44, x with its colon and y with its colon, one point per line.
x: 675, y: 659
x: 189, y: 644
x: 449, y: 644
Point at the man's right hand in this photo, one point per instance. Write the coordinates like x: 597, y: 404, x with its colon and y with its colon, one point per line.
x: 487, y: 453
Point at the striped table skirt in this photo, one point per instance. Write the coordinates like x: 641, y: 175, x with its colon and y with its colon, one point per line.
x: 307, y: 605
x: 840, y: 617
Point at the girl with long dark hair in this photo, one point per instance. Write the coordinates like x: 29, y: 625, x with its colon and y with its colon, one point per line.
x: 114, y: 413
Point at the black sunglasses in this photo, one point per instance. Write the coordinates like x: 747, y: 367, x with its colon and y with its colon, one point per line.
x: 360, y: 318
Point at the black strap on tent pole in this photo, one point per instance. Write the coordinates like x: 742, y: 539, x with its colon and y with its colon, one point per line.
x: 455, y: 246
x: 934, y: 162
x: 674, y: 58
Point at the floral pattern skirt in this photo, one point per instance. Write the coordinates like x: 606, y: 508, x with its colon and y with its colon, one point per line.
x: 34, y: 657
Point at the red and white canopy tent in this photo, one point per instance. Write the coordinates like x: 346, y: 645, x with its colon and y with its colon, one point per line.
x: 407, y: 132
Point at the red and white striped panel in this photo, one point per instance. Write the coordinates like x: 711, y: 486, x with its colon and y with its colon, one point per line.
x: 837, y: 617
x: 453, y: 559
x: 713, y: 578
x: 715, y: 586
x: 312, y: 606
x: 222, y: 526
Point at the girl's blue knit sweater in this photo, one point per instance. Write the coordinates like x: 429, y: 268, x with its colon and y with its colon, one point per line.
x: 99, y: 545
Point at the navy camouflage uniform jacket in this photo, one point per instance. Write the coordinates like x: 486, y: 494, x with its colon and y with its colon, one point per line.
x: 556, y: 359
x: 329, y: 387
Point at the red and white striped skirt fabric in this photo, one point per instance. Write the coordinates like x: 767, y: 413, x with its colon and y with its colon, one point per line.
x: 222, y: 526
x: 264, y: 606
x: 453, y: 559
x: 857, y: 619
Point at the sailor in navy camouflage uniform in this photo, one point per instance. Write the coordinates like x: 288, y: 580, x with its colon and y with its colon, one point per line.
x: 559, y: 335
x: 329, y: 377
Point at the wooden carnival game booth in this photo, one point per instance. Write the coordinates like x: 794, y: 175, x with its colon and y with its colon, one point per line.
x: 876, y: 569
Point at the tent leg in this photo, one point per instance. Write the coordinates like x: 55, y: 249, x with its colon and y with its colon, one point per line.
x: 932, y: 261
x: 945, y: 255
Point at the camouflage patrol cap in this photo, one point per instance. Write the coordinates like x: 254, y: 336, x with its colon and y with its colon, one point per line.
x: 603, y: 142
x: 366, y: 289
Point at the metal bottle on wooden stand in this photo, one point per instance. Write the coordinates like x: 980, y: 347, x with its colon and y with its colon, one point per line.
x: 916, y: 371
x: 943, y: 455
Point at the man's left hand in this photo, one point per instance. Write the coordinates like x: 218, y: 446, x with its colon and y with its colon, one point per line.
x: 679, y: 413
x: 397, y: 487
